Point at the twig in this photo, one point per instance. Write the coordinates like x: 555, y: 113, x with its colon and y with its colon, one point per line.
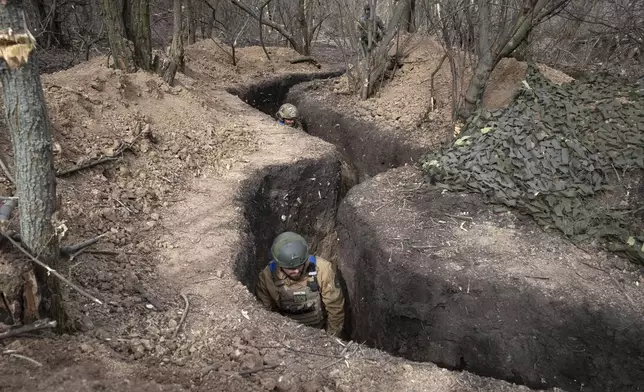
x: 115, y: 155
x: 87, y: 165
x: 300, y: 351
x: 343, y: 358
x: 124, y: 206
x: 183, y: 316
x: 423, y: 246
x: 8, y: 198
x: 306, y: 59
x: 51, y: 271
x: 537, y: 277
x: 257, y: 369
x: 38, y: 325
x: 101, y: 252
x: 73, y: 249
x: 205, y: 280
x: 385, y: 204
x: 6, y: 171
x: 459, y: 217
x: 11, y: 353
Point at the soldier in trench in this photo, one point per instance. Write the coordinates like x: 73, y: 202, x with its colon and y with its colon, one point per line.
x: 289, y: 115
x: 364, y: 26
x: 301, y: 286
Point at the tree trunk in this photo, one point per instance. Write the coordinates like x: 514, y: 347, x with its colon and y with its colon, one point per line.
x: 410, y: 25
x: 490, y: 54
x: 191, y: 26
x: 28, y: 123
x: 121, y: 47
x: 137, y: 28
x: 176, y: 49
x: 304, y: 28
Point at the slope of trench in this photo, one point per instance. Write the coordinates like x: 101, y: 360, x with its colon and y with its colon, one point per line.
x: 305, y: 197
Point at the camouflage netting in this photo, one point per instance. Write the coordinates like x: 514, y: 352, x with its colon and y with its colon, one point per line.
x: 570, y: 156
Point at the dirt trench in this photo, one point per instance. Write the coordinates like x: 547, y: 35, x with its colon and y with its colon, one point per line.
x: 411, y: 302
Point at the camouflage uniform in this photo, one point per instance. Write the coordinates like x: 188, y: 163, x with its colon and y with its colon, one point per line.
x: 314, y: 298
x: 364, y: 25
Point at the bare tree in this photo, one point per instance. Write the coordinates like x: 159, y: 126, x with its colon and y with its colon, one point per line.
x: 191, y: 23
x: 304, y: 19
x: 49, y: 28
x: 176, y: 49
x: 26, y: 117
x: 508, y: 37
x: 128, y: 27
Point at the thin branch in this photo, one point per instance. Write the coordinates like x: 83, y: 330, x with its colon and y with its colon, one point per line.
x: 71, y: 249
x: 257, y: 369
x: 261, y: 28
x: 115, y: 155
x: 38, y: 325
x: 12, y: 353
x: 51, y: 271
x: 183, y: 316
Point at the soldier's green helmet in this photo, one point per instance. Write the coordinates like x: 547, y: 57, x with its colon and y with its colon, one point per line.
x: 290, y: 250
x: 288, y: 111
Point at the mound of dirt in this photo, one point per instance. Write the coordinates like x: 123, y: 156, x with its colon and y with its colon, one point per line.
x: 403, y: 102
x: 438, y: 276
x: 211, y: 61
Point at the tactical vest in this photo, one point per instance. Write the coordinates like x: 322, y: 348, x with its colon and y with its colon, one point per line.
x: 302, y: 304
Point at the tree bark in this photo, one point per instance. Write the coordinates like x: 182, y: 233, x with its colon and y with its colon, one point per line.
x: 121, y: 47
x: 28, y: 123
x: 490, y: 54
x: 410, y: 25
x: 176, y: 49
x: 137, y: 28
x: 191, y: 26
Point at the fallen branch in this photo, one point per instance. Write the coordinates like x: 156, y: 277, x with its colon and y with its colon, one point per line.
x: 6, y: 171
x: 343, y: 358
x: 51, y: 271
x: 38, y: 325
x: 70, y: 250
x: 12, y: 353
x: 87, y: 165
x: 300, y: 351
x: 306, y: 59
x: 183, y: 316
x: 82, y: 95
x: 115, y: 155
x: 257, y: 369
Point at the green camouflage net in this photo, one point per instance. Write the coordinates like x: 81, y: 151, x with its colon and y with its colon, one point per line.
x: 559, y: 154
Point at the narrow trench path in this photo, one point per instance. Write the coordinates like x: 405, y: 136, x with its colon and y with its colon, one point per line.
x: 406, y: 334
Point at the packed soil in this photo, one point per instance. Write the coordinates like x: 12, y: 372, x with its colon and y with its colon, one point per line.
x: 175, y: 316
x: 487, y: 292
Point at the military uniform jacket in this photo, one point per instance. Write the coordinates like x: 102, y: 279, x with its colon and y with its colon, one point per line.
x: 315, y: 299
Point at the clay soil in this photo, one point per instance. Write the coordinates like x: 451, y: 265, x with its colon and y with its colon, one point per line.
x: 170, y: 208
